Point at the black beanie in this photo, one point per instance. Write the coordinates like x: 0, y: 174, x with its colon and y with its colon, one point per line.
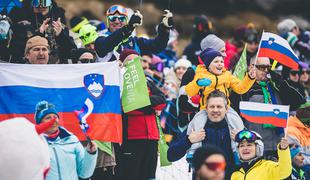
x: 77, y: 53
x: 208, y: 55
x: 202, y: 153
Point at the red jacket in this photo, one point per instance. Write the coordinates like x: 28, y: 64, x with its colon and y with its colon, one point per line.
x: 141, y: 123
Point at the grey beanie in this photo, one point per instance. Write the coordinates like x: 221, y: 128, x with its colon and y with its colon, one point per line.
x: 212, y: 41
x: 286, y: 26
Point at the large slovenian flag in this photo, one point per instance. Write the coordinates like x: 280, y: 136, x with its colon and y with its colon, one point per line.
x: 68, y: 87
x: 275, y: 47
x: 261, y: 113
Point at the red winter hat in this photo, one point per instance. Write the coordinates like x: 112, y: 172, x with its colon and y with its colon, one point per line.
x: 127, y: 52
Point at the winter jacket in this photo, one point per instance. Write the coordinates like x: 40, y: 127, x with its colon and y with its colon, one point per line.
x: 111, y: 46
x: 169, y: 57
x: 298, y: 131
x: 141, y: 123
x: 266, y: 169
x: 199, y: 121
x: 69, y: 160
x: 221, y: 82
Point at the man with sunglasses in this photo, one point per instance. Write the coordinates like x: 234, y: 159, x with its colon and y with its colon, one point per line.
x: 119, y: 35
x: 209, y: 163
x: 269, y: 88
x: 253, y: 166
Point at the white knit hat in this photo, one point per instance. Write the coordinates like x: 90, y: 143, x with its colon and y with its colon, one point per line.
x: 183, y: 62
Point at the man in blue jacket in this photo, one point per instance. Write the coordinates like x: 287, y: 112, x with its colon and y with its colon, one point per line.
x: 119, y: 35
x: 215, y: 125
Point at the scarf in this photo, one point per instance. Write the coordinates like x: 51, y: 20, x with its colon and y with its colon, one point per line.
x: 267, y: 92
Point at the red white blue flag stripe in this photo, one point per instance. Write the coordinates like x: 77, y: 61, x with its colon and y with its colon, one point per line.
x: 67, y: 86
x: 261, y: 113
x: 275, y: 47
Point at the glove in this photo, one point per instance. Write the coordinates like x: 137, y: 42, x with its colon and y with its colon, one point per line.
x: 204, y: 82
x: 167, y: 20
x: 135, y: 20
x: 276, y: 78
x: 195, y: 99
x: 291, y: 38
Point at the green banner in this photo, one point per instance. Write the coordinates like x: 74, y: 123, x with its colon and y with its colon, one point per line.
x: 241, y: 66
x: 135, y: 92
x: 163, y: 147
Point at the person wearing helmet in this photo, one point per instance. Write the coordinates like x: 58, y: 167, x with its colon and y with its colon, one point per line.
x: 44, y: 18
x: 88, y: 35
x: 202, y: 27
x: 253, y: 166
x: 119, y: 35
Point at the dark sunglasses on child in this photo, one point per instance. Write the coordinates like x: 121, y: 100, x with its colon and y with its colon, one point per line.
x: 113, y: 18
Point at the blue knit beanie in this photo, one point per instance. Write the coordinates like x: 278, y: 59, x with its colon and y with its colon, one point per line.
x: 44, y: 108
x: 208, y: 55
x: 295, y: 151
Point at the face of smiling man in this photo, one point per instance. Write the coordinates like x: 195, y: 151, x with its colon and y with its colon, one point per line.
x: 216, y: 108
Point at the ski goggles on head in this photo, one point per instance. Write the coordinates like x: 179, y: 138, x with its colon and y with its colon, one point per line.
x: 215, y: 165
x: 117, y: 8
x: 121, y: 18
x: 246, y: 135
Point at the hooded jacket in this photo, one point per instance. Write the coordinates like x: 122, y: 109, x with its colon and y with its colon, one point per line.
x: 266, y: 169
x: 221, y: 82
x: 69, y: 160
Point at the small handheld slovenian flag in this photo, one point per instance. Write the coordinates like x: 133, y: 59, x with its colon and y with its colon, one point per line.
x: 275, y: 47
x: 261, y: 113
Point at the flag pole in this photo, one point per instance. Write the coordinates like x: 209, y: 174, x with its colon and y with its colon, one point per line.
x: 260, y: 42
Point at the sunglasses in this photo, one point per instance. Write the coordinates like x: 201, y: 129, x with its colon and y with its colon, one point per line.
x: 113, y: 18
x: 117, y: 8
x: 85, y: 60
x: 294, y: 73
x: 215, y: 165
x: 246, y: 135
x: 263, y: 67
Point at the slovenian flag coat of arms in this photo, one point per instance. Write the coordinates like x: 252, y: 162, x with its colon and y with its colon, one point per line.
x: 68, y: 87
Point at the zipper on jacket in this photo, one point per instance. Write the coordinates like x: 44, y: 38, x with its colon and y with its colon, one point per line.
x: 57, y: 162
x: 216, y: 81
